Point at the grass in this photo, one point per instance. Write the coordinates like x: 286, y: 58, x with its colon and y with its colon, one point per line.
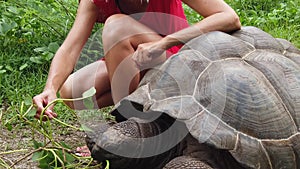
x: 27, y: 28
x: 280, y: 18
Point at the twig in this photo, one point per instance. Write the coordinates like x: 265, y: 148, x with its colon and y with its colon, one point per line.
x: 66, y: 9
x: 27, y: 155
x: 65, y: 124
x: 14, y: 151
x: 56, y: 158
x: 3, y: 163
x: 1, y: 114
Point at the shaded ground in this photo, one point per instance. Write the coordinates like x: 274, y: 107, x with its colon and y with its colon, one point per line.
x: 16, y: 145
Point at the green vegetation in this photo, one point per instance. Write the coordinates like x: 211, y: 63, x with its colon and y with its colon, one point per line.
x: 280, y: 18
x: 32, y: 30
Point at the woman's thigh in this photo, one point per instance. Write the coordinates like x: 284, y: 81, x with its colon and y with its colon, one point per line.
x: 120, y: 27
x: 121, y: 37
x: 92, y: 75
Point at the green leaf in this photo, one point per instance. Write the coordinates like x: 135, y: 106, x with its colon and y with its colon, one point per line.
x: 53, y: 47
x: 37, y: 60
x: 87, y: 95
x: 86, y: 128
x: 28, y: 101
x: 46, y: 161
x: 37, y: 145
x: 9, y: 126
x: 65, y: 156
x: 23, y: 66
x: 13, y: 9
x: 90, y: 92
x: 48, y: 56
x: 37, y: 156
x: 2, y: 71
x: 64, y: 145
x: 6, y: 41
x: 60, y: 154
x: 6, y: 27
x: 69, y: 157
x: 8, y: 67
x: 88, y: 103
x: 31, y: 113
x: 40, y: 49
x: 43, y: 165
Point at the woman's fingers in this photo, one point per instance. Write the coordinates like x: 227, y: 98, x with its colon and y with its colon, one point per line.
x: 141, y: 58
x: 48, y: 115
x: 38, y: 101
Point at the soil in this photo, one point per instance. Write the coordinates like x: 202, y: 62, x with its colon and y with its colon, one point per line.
x: 20, y: 140
x: 16, y: 145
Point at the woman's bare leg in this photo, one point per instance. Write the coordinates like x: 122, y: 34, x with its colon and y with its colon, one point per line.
x: 121, y: 37
x: 92, y: 75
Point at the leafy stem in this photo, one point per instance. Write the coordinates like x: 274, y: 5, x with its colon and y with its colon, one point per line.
x: 87, y: 94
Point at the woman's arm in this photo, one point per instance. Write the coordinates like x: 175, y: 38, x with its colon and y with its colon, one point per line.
x: 67, y: 55
x: 218, y: 16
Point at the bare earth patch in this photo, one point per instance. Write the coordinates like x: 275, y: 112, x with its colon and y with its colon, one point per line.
x: 16, y: 146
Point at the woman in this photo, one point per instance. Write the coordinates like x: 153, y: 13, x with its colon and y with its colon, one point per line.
x: 130, y: 43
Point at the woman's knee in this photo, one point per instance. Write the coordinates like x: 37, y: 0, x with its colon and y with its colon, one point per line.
x: 65, y: 92
x: 66, y: 89
x: 114, y: 17
x: 114, y: 26
x: 120, y: 27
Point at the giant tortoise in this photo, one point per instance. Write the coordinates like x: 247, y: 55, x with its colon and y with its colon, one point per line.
x: 224, y: 101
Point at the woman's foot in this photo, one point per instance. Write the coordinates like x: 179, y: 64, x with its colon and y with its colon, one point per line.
x: 83, y: 151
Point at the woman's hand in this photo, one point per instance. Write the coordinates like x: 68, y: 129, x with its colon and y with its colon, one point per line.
x: 149, y: 54
x: 41, y: 101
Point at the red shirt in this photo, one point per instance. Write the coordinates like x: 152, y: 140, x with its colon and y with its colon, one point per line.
x: 163, y: 16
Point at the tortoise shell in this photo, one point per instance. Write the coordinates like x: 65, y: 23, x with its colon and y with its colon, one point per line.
x: 238, y: 92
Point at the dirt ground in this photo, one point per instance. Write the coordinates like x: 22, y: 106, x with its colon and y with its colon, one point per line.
x: 16, y: 146
x: 20, y: 140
